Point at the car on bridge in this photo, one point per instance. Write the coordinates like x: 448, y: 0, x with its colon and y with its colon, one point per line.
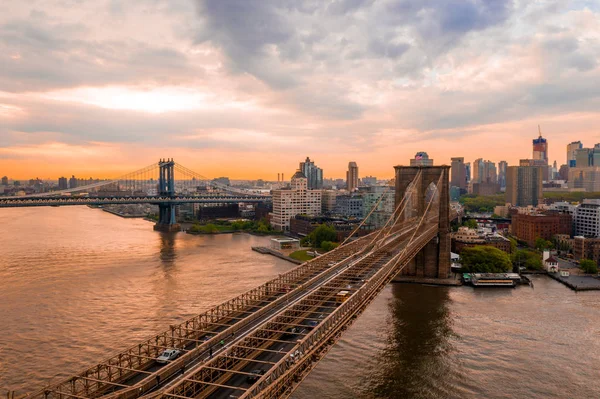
x: 255, y: 375
x: 168, y: 355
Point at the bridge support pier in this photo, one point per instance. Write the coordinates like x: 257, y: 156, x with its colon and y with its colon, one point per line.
x: 167, y: 221
x: 433, y: 261
x: 166, y: 187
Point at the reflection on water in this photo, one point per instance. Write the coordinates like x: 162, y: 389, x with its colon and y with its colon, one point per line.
x: 168, y: 255
x: 414, y: 362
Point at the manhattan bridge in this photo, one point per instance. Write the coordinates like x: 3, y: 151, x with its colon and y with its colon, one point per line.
x: 166, y: 184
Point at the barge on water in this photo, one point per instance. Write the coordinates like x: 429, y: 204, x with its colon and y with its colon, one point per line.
x: 492, y: 279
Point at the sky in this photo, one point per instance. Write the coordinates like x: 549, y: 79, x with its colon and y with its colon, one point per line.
x: 249, y: 88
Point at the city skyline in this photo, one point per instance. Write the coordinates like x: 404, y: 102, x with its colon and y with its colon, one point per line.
x: 103, y: 88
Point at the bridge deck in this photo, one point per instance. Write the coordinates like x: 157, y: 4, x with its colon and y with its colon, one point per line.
x: 134, y: 371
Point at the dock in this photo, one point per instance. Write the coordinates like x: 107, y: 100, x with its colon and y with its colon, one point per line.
x: 269, y: 251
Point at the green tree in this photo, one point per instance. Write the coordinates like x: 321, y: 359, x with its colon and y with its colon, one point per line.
x: 470, y: 223
x: 513, y: 245
x: 528, y: 259
x: 540, y: 244
x: 484, y: 259
x: 588, y: 266
x: 328, y: 246
x: 322, y: 233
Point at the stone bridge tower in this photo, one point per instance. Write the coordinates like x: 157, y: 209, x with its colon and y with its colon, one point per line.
x: 433, y: 261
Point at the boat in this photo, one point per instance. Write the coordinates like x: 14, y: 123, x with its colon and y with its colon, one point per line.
x: 494, y: 279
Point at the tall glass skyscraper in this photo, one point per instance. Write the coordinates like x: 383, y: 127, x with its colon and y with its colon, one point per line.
x: 313, y: 174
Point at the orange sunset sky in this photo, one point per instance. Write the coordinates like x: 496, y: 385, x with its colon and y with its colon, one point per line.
x: 249, y: 88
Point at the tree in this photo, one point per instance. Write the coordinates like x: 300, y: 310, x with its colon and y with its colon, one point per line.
x: 513, y: 245
x: 528, y: 259
x: 588, y: 266
x: 328, y: 245
x: 470, y: 223
x: 322, y: 233
x: 484, y: 259
x: 540, y: 244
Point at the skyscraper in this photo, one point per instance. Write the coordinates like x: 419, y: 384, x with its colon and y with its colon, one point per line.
x: 62, y: 183
x: 5, y: 181
x: 313, y: 173
x: 352, y: 177
x: 477, y: 171
x: 524, y: 185
x: 458, y: 172
x: 540, y: 147
x: 572, y: 153
x: 502, y: 165
x: 468, y: 171
x: 73, y: 182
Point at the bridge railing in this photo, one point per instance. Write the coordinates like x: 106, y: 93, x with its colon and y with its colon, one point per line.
x: 137, y: 357
x: 281, y: 377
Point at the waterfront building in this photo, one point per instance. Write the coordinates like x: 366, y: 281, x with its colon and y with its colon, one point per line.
x: 421, y: 159
x: 352, y: 177
x: 586, y: 248
x: 313, y: 173
x: 294, y: 200
x: 586, y: 219
x: 572, y: 153
x: 529, y: 227
x: 5, y: 180
x: 458, y: 173
x: 524, y: 185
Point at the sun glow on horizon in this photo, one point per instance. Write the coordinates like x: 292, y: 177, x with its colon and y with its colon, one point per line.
x: 152, y: 100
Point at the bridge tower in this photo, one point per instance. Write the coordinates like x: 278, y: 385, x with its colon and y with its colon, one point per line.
x: 433, y: 261
x: 166, y: 188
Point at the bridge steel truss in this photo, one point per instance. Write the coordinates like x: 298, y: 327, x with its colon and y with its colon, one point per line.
x: 289, y: 359
x: 126, y: 373
x: 8, y: 202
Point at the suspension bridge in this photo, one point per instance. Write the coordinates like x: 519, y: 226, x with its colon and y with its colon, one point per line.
x: 264, y: 342
x: 166, y: 184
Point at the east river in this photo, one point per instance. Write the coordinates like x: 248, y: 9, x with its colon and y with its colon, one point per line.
x: 80, y: 284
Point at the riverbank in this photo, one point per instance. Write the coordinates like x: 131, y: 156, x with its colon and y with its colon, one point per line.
x: 269, y: 251
x: 123, y: 215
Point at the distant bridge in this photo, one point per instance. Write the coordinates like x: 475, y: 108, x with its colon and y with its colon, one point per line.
x: 166, y: 184
x: 285, y: 326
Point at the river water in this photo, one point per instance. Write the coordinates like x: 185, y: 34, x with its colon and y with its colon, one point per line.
x: 79, y: 284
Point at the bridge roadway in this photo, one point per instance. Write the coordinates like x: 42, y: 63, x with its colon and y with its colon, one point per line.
x: 135, y: 372
x: 280, y: 342
x: 8, y: 202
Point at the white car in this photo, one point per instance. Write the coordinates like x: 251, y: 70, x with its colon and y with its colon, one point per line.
x: 168, y: 355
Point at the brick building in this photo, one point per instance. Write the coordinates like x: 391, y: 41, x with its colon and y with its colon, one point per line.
x: 586, y: 248
x: 530, y: 227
